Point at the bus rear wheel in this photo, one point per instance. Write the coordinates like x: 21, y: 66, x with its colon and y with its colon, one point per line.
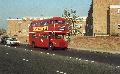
x: 51, y: 46
x: 33, y: 44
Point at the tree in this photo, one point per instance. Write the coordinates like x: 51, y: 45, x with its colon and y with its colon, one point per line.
x: 2, y: 31
x: 70, y: 16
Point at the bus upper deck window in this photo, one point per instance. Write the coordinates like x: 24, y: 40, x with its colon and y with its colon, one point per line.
x: 33, y: 24
x: 59, y: 22
x: 56, y: 22
x: 51, y: 22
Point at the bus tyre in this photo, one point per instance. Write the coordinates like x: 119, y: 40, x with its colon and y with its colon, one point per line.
x: 33, y: 44
x: 65, y: 48
x: 51, y: 47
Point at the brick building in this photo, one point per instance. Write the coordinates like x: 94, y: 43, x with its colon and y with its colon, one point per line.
x: 18, y: 28
x: 104, y: 17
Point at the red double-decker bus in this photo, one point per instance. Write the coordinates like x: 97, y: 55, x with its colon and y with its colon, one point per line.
x: 48, y: 33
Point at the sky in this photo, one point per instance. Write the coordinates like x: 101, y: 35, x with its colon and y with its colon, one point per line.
x: 36, y: 8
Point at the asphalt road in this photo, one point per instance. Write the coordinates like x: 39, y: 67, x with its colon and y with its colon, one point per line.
x: 102, y: 57
x: 25, y: 60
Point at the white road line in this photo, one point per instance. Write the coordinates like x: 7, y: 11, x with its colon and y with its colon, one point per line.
x: 27, y: 60
x: 57, y: 71
x: 53, y: 54
x: 6, y: 53
x: 48, y: 53
x: 23, y: 59
x: 76, y: 58
x: 61, y: 72
x: 118, y: 67
x: 86, y: 60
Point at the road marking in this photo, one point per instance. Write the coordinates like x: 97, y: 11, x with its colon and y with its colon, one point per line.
x: 79, y: 59
x: 41, y: 52
x: 15, y: 47
x: 6, y: 53
x: 86, y: 60
x: 23, y: 59
x: 61, y: 72
x: 70, y: 57
x: 30, y: 50
x: 76, y: 58
x: 57, y: 71
x: 5, y: 45
x: 53, y: 54
x: 27, y: 60
x: 118, y: 67
x: 25, y: 49
x: 92, y: 61
x: 48, y: 53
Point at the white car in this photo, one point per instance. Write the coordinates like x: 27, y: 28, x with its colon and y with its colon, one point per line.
x: 12, y: 41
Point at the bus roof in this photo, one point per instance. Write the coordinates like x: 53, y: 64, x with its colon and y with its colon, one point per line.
x: 57, y: 18
x: 45, y: 20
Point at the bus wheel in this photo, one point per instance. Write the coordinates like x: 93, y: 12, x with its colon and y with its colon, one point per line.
x: 64, y: 48
x: 33, y: 44
x: 51, y: 46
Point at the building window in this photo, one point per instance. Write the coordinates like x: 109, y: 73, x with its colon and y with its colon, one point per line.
x: 118, y: 26
x: 118, y: 10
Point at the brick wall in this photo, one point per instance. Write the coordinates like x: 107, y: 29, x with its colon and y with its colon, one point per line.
x: 101, y: 16
x: 114, y: 20
x: 18, y: 28
x: 100, y: 8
